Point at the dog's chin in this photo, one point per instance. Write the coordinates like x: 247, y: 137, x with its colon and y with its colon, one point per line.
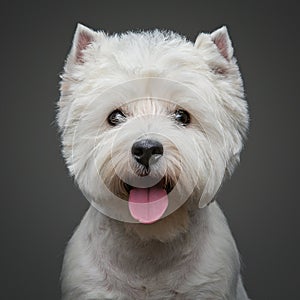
x: 161, y: 228
x: 165, y: 229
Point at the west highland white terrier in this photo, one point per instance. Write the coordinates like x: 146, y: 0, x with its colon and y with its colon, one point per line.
x: 151, y: 124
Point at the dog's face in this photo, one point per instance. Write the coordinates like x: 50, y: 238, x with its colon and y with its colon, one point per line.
x: 151, y: 122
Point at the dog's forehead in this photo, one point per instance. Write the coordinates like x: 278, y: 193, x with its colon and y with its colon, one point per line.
x: 149, y: 95
x: 148, y: 105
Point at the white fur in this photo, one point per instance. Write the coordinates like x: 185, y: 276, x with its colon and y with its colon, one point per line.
x: 149, y: 75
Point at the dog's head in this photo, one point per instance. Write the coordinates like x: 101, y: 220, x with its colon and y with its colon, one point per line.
x: 150, y: 121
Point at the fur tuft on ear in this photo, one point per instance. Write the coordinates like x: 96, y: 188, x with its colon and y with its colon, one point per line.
x: 221, y: 60
x: 221, y: 39
x: 82, y: 38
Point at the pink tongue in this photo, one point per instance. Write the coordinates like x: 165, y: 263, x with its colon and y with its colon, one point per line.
x: 148, y: 205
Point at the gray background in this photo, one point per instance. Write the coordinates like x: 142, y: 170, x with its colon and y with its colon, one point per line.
x: 40, y: 207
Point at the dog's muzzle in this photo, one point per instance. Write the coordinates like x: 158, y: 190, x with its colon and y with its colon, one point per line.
x: 148, y: 204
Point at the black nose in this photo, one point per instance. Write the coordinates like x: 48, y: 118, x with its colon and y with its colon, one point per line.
x: 143, y: 150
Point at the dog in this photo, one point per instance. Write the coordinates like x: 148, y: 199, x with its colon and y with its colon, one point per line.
x: 151, y: 126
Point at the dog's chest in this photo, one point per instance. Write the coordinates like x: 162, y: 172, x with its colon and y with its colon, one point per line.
x: 169, y: 288
x: 172, y: 283
x: 159, y: 287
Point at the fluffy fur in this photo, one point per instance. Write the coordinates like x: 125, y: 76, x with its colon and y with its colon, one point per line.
x: 190, y: 252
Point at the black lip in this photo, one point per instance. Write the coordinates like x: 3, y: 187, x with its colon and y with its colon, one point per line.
x: 168, y: 187
x: 127, y: 187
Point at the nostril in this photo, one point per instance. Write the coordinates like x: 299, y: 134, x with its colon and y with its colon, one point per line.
x: 158, y: 149
x: 137, y: 151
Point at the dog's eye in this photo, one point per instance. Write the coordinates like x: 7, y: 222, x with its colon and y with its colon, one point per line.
x: 181, y: 116
x: 116, y: 117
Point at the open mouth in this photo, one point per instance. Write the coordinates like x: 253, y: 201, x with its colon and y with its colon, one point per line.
x: 164, y: 184
x: 147, y: 205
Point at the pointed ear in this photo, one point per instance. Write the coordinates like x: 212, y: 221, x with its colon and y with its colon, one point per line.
x: 82, y: 38
x: 221, y: 39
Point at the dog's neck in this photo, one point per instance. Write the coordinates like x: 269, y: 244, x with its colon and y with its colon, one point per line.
x: 131, y: 250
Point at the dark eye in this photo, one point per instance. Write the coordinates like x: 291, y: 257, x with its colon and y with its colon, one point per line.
x: 116, y: 117
x: 181, y: 116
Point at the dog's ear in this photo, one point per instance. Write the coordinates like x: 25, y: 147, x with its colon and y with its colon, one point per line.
x: 220, y: 39
x: 83, y: 37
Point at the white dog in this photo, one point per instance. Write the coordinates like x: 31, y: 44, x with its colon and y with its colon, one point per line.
x: 151, y: 124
